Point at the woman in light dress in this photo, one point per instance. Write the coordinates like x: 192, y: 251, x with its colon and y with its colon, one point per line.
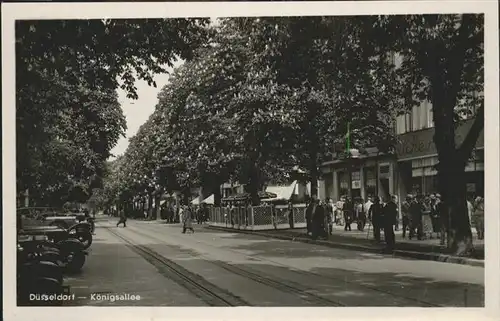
x: 187, y: 223
x: 478, y: 217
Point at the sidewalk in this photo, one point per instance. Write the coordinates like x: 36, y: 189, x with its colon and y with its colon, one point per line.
x: 428, y: 249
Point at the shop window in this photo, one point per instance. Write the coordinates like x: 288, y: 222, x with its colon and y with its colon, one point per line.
x: 401, y: 124
x: 417, y: 172
x: 417, y: 163
x: 343, y: 184
x: 431, y: 185
x: 416, y: 186
x: 430, y: 115
x: 408, y: 122
x: 370, y: 176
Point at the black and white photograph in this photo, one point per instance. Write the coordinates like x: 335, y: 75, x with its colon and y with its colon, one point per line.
x: 252, y: 158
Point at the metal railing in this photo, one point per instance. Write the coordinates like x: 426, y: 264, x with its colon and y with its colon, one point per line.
x: 262, y: 217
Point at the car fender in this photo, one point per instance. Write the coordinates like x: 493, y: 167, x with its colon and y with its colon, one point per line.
x: 70, y: 245
x: 82, y: 227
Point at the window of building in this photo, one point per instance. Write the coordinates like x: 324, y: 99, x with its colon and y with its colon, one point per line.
x: 400, y: 124
x: 430, y: 115
x: 370, y: 182
x: 415, y: 118
x: 370, y: 177
x: 343, y: 183
x: 409, y: 122
x: 384, y: 169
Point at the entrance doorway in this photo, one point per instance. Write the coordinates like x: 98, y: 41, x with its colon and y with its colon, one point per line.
x: 384, y: 189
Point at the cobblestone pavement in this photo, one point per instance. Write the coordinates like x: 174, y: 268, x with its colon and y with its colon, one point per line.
x: 209, y: 267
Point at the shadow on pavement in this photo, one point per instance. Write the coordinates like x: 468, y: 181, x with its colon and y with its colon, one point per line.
x: 114, y: 268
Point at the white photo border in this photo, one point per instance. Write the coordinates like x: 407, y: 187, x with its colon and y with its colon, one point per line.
x: 22, y: 11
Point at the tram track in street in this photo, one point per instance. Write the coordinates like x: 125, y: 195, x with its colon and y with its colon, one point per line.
x: 282, y: 285
x: 197, y: 285
x: 292, y: 285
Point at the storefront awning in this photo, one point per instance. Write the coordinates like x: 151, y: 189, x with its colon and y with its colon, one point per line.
x: 282, y: 192
x: 209, y: 200
x: 241, y: 197
x: 196, y: 201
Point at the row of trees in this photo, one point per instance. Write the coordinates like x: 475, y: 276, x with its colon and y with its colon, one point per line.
x: 263, y: 95
x: 68, y: 117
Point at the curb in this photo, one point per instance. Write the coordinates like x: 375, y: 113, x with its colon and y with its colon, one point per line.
x: 438, y: 257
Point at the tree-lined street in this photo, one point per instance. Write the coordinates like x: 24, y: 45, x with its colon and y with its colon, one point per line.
x: 256, y: 101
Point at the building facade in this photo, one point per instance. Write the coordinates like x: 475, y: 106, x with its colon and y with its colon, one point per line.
x: 371, y: 174
x: 417, y: 156
x: 409, y: 171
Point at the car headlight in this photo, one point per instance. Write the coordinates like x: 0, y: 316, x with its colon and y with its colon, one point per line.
x: 72, y: 232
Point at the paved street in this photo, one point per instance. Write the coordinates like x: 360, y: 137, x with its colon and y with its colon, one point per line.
x: 215, y: 268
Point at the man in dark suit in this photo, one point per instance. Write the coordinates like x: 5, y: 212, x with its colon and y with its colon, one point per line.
x: 311, y: 207
x: 390, y: 217
x: 348, y: 210
x: 376, y: 216
x: 318, y: 220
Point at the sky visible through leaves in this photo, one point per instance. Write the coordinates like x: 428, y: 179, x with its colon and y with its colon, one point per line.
x: 138, y: 111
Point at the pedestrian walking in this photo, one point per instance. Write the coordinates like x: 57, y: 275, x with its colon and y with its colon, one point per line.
x: 361, y: 214
x: 479, y: 217
x: 177, y: 217
x: 122, y: 220
x: 434, y: 215
x: 340, y: 215
x: 416, y: 212
x: 181, y: 213
x: 470, y: 208
x: 290, y: 214
x: 367, y: 205
x: 405, y: 213
x: 329, y: 214
x: 390, y: 217
x: 309, y: 213
x: 318, y: 220
x: 376, y: 215
x: 205, y: 213
x: 187, y: 223
x: 348, y: 210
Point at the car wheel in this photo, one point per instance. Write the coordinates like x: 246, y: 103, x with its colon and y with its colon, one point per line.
x: 86, y: 239
x: 75, y: 261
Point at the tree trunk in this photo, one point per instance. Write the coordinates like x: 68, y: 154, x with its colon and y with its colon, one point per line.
x: 452, y: 160
x: 143, y: 206
x: 157, y: 211
x: 313, y: 164
x: 217, y: 195
x: 253, y: 185
x: 452, y: 186
x: 150, y: 205
x: 451, y: 175
x: 314, y: 182
x: 185, y: 196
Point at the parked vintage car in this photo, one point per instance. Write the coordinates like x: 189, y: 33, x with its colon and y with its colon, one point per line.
x: 42, y: 216
x: 74, y: 225
x: 55, y: 244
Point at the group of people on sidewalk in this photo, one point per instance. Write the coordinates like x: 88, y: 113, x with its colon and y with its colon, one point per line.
x: 321, y: 215
x: 415, y: 207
